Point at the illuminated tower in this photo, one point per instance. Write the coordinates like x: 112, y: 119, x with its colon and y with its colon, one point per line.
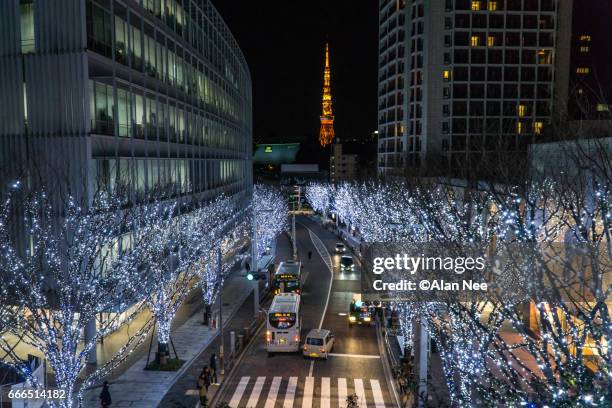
x: 326, y: 136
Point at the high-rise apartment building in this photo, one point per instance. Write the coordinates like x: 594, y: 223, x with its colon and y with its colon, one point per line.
x: 459, y: 79
x: 591, y: 61
x: 139, y: 93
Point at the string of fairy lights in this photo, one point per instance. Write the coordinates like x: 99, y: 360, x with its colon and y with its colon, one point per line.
x: 537, y: 351
x: 107, y: 262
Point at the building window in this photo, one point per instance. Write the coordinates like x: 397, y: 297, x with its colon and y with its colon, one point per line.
x: 475, y: 41
x: 492, y: 6
x: 602, y: 107
x: 446, y: 74
x: 585, y: 38
x: 522, y: 110
x: 475, y: 5
x: 583, y: 70
x: 26, y: 8
x: 519, y: 127
x: 537, y: 127
x: 584, y: 49
x: 490, y: 41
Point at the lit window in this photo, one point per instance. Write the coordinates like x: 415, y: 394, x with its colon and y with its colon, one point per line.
x: 583, y: 70
x: 519, y: 127
x: 585, y: 38
x: 537, y: 127
x: 522, y: 110
x: 268, y: 149
x: 446, y: 74
x: 580, y: 91
x: 492, y: 6
x: 475, y: 5
x: 475, y: 41
x: 601, y: 107
x: 26, y: 8
x: 585, y: 49
x: 490, y: 41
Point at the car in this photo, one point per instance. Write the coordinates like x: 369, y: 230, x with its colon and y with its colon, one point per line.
x: 340, y: 248
x: 318, y: 344
x: 347, y: 264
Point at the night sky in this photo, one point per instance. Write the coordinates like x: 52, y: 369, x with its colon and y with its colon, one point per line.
x: 284, y: 44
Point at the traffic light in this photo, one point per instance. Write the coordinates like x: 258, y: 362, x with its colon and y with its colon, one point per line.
x: 256, y: 275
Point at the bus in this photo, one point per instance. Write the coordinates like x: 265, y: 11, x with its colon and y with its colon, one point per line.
x: 284, y: 323
x: 288, y: 278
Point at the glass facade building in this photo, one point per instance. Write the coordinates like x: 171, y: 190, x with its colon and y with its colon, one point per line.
x: 146, y: 94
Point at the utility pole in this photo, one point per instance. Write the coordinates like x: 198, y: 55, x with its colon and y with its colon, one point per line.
x: 423, y: 363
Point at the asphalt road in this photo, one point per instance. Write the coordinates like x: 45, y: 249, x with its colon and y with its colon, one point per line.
x: 289, y: 380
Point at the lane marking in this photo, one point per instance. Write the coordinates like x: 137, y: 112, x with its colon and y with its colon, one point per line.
x: 273, y: 392
x: 235, y: 401
x: 325, y: 392
x: 255, y: 392
x: 360, y: 393
x: 379, y: 401
x: 342, y: 392
x: 308, y: 389
x: 290, y: 394
x: 372, y: 356
x: 324, y: 254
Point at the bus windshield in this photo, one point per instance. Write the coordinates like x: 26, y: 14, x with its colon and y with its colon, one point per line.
x: 282, y: 320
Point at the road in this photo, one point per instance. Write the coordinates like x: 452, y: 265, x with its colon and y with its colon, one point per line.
x: 287, y: 379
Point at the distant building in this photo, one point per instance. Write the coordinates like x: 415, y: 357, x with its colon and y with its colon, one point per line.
x: 344, y: 162
x: 591, y: 60
x: 460, y: 80
x: 275, y: 153
x: 301, y: 174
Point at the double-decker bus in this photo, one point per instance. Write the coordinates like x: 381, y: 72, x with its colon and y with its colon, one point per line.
x: 284, y: 323
x: 287, y: 278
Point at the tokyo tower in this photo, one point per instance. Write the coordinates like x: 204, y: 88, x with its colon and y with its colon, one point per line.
x: 326, y: 136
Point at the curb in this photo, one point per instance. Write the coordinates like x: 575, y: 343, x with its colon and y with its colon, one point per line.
x: 215, y: 399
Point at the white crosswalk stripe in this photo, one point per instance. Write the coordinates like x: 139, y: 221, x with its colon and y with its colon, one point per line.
x: 360, y: 392
x: 235, y: 401
x: 325, y: 392
x: 379, y: 401
x: 290, y: 394
x: 252, y: 403
x: 342, y: 393
x: 308, y: 389
x: 273, y: 392
x: 308, y: 392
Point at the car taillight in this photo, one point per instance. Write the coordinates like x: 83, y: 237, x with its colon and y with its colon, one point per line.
x: 296, y: 338
x: 322, y: 350
x: 305, y: 347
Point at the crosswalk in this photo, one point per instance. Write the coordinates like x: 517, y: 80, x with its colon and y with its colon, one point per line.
x: 306, y: 392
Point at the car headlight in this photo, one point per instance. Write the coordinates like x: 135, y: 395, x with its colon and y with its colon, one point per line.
x: 352, y: 318
x: 367, y: 319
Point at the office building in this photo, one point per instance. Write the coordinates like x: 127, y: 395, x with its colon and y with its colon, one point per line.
x: 591, y: 61
x: 460, y: 79
x: 139, y: 93
x: 344, y: 161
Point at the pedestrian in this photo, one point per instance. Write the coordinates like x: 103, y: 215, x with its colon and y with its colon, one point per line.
x: 204, y: 380
x: 105, y: 397
x: 309, y: 255
x: 213, y: 369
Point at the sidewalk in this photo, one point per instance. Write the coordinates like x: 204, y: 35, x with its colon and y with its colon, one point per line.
x: 137, y: 387
x: 183, y: 392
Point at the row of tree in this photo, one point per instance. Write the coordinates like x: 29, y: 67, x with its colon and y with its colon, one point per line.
x: 542, y: 336
x: 71, y: 274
